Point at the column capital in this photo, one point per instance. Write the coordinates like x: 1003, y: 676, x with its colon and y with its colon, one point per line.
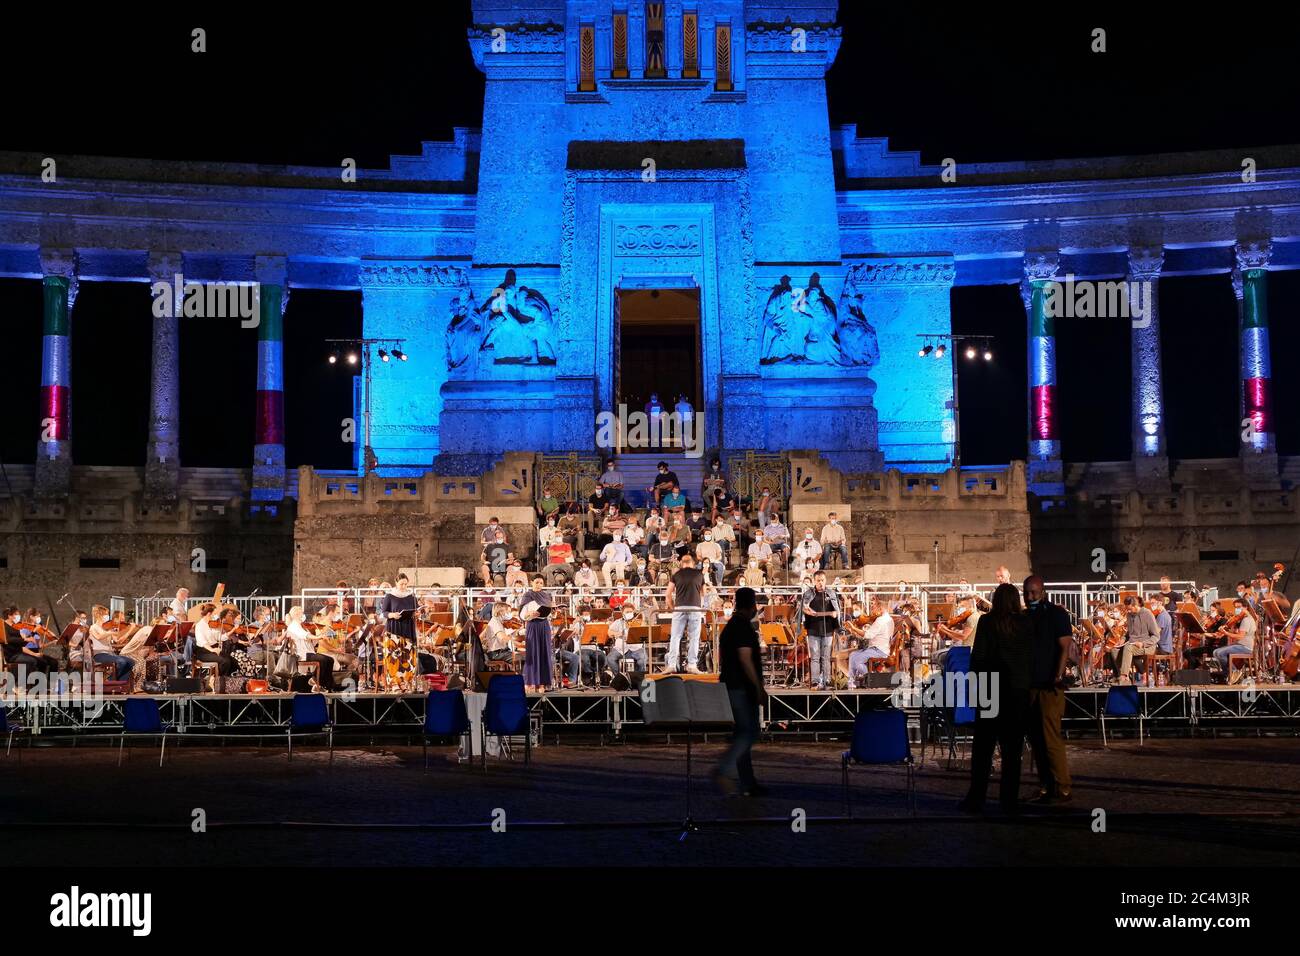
x: 59, y: 261
x: 164, y: 266
x: 1145, y: 261
x: 1253, y: 253
x: 271, y: 269
x: 1041, y: 264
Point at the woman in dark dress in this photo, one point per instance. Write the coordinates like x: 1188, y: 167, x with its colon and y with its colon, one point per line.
x: 399, y: 621
x: 538, y: 652
x: 1000, y: 659
x: 741, y: 670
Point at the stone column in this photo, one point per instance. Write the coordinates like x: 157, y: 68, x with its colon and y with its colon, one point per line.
x: 268, y: 440
x: 1150, y: 453
x: 1258, y: 441
x: 1046, y: 473
x: 162, y: 467
x: 54, y: 446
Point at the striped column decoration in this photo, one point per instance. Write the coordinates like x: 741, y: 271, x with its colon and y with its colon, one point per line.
x: 1044, y: 438
x: 1257, y: 433
x: 54, y: 449
x: 1150, y: 458
x: 268, y: 440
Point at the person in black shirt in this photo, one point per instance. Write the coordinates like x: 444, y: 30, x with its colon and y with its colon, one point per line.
x: 1000, y: 660
x: 740, y: 670
x: 664, y: 482
x: 1053, y: 635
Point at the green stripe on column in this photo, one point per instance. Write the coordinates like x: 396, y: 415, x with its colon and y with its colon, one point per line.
x: 270, y: 327
x: 1042, y: 321
x: 56, y: 305
x: 1254, y: 299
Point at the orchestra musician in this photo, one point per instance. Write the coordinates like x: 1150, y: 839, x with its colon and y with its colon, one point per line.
x: 502, y: 635
x: 103, y: 646
x: 1240, y: 631
x: 1141, y: 638
x: 304, y: 645
x: 209, y: 641
x: 16, y: 651
x: 620, y: 628
x: 878, y: 637
x: 959, y: 630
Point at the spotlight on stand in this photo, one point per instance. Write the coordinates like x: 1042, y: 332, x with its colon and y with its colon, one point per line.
x: 399, y: 355
x: 988, y: 355
x: 925, y: 350
x: 970, y: 351
x: 334, y: 359
x: 383, y: 355
x: 352, y: 358
x: 940, y: 351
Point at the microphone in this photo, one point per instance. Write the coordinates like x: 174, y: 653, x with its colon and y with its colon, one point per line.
x: 64, y: 598
x: 255, y: 590
x: 156, y: 593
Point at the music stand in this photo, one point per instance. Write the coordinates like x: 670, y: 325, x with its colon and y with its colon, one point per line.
x: 672, y: 702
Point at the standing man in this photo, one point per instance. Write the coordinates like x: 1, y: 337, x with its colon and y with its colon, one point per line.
x: 686, y: 601
x: 740, y: 670
x: 820, y: 609
x: 1051, y: 642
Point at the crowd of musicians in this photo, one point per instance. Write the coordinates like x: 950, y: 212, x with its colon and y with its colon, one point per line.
x: 823, y: 635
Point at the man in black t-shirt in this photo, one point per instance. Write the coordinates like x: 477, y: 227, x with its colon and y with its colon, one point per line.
x: 686, y: 601
x: 821, y: 616
x: 740, y: 669
x: 1053, y: 635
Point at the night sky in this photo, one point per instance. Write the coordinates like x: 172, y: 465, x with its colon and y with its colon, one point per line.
x: 972, y: 85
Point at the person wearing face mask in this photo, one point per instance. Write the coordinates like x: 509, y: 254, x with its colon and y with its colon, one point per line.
x: 740, y: 671
x: 753, y: 576
x: 709, y: 553
x: 1052, y: 637
x: 808, y: 549
x: 585, y: 576
x: 620, y: 629
x: 634, y: 537
x: 515, y: 596
x: 834, y: 542
x: 713, y: 490
x: 725, y: 535
x: 515, y: 574
x: 819, y: 615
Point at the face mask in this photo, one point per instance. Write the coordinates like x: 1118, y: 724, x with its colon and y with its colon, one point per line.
x: 726, y: 612
x: 807, y: 537
x: 628, y: 617
x: 708, y: 537
x: 586, y: 617
x: 834, y: 521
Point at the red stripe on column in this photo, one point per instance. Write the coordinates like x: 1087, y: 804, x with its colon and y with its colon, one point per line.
x: 270, y: 418
x: 1257, y: 404
x: 1043, y: 398
x: 54, y: 404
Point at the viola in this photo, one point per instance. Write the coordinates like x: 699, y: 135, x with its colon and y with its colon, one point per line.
x: 958, y: 619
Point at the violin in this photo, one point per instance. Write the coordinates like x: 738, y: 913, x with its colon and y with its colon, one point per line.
x: 958, y: 619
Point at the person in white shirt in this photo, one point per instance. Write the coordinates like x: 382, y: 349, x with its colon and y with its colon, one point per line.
x: 585, y: 577
x: 634, y: 537
x: 101, y: 644
x: 709, y: 553
x: 834, y: 542
x: 208, y: 641
x: 304, y: 645
x: 180, y: 604
x: 619, y: 628
x: 615, y: 557
x: 878, y: 637
x: 808, y: 549
x: 500, y: 641
x: 725, y: 535
x: 1241, y: 641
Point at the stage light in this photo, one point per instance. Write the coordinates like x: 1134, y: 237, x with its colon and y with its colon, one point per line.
x: 970, y: 351
x: 926, y: 350
x: 352, y: 358
x: 399, y: 355
x: 940, y: 351
x: 988, y: 355
x: 383, y: 355
x: 333, y: 359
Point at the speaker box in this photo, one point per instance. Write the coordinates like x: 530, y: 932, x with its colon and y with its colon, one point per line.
x: 1190, y: 676
x: 876, y: 681
x: 184, y: 685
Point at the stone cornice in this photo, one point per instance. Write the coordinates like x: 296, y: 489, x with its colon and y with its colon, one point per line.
x: 407, y: 275
x: 904, y: 273
x: 519, y: 37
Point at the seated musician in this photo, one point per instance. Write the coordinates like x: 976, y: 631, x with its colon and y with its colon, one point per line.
x: 634, y: 536
x: 332, y: 642
x: 753, y: 576
x: 516, y: 576
x: 725, y: 536
x: 591, y: 656
x: 698, y: 524
x: 675, y: 502
x: 568, y: 640
x: 1141, y: 638
x: 16, y: 651
x: 501, y: 634
x: 611, y: 480
x: 614, y: 559
x: 654, y: 527
x: 79, y: 642
x: 959, y: 630
x: 663, y: 558
x: 263, y: 633
x: 807, y: 551
x: 103, y: 644
x: 619, y: 629
x: 1240, y: 631
x: 834, y: 542
x: 304, y: 645
x: 41, y: 640
x: 878, y: 637
x: 762, y: 552
x: 585, y: 578
x: 209, y: 641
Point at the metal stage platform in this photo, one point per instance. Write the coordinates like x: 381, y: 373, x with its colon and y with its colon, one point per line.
x: 789, y: 712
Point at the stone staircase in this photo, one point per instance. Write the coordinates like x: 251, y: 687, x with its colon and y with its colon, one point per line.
x: 639, y: 471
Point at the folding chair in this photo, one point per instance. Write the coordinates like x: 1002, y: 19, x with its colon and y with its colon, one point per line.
x: 506, y: 714
x: 444, y: 716
x: 1122, y: 701
x: 310, y: 717
x: 879, y: 739
x: 952, y: 715
x: 141, y: 718
x: 11, y: 728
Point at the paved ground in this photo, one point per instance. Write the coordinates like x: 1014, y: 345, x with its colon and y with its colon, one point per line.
x: 1178, y: 802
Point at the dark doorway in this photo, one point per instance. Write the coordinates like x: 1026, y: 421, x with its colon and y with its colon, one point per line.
x: 658, y: 348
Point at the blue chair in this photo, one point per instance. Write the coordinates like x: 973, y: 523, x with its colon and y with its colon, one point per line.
x: 955, y: 711
x: 311, y: 717
x: 444, y: 716
x: 1122, y: 701
x: 11, y: 728
x: 880, y: 739
x: 506, y: 714
x: 141, y: 718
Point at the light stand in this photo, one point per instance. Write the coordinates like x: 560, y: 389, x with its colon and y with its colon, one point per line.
x: 369, y: 461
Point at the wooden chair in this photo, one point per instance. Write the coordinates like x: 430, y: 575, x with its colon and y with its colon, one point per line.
x: 1239, y: 665
x: 1147, y: 665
